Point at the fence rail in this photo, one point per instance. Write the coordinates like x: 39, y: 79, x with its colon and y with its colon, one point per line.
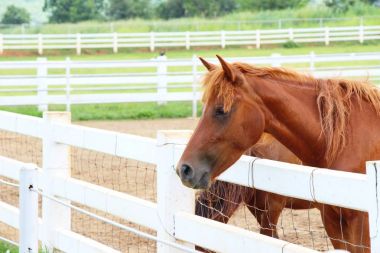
x: 155, y: 80
x: 171, y: 216
x: 154, y: 40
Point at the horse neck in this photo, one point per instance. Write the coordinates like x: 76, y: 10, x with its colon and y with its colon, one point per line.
x: 292, y: 117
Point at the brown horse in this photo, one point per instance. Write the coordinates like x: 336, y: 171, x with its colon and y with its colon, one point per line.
x: 223, y: 199
x: 331, y: 123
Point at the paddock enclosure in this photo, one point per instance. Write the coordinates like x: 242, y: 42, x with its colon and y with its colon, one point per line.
x: 110, y: 186
x: 130, y: 180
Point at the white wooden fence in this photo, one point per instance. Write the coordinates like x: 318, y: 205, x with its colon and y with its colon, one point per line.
x: 150, y: 80
x: 172, y: 216
x: 154, y: 40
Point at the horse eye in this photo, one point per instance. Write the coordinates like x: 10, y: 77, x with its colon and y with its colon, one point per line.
x: 219, y: 111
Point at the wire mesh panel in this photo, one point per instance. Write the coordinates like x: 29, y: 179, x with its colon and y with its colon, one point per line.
x: 23, y: 148
x: 270, y: 214
x: 120, y: 174
x: 288, y: 219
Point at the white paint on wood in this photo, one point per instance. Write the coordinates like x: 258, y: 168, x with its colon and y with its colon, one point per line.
x: 28, y: 204
x: 172, y: 196
x: 229, y: 239
x: 55, y: 162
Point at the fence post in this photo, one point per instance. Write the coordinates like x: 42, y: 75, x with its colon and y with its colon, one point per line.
x: 68, y: 83
x: 187, y: 40
x: 152, y: 41
x: 40, y: 44
x: 312, y: 61
x: 78, y: 44
x: 361, y: 34
x: 291, y: 35
x: 162, y: 79
x: 172, y: 196
x: 194, y: 86
x: 223, y: 38
x: 1, y: 44
x: 115, y: 43
x: 56, y: 163
x: 276, y: 60
x: 257, y: 39
x: 373, y: 174
x: 42, y: 86
x: 28, y: 203
x: 327, y: 36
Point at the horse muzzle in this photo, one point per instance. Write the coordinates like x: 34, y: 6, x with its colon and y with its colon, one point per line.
x: 193, y: 178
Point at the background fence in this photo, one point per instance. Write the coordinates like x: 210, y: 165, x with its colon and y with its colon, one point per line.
x: 154, y: 40
x: 44, y: 82
x: 172, y: 215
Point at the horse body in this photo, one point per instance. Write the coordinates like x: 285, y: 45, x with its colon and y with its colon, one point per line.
x: 325, y: 122
x: 304, y: 139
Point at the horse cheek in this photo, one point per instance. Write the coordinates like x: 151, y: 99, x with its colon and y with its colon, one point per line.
x: 253, y: 128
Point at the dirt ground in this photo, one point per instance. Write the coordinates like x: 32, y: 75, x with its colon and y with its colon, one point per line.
x: 139, y: 179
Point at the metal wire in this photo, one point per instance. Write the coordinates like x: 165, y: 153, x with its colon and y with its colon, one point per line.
x: 8, y: 183
x: 129, y: 229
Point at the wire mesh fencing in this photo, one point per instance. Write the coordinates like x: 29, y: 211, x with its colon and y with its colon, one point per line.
x: 288, y: 219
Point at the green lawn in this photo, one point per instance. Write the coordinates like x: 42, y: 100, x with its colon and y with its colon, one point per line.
x: 173, y: 53
x: 115, y: 111
x: 6, y: 246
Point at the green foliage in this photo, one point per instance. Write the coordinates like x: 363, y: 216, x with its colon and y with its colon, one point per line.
x: 73, y: 10
x: 269, y: 4
x: 191, y: 8
x: 290, y: 44
x: 339, y: 6
x: 16, y: 15
x: 171, y: 9
x: 126, y: 9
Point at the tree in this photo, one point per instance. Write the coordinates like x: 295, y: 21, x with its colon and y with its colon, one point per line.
x: 339, y: 6
x: 74, y: 10
x: 210, y: 8
x: 190, y: 8
x: 171, y: 9
x: 123, y: 9
x: 16, y: 15
x: 270, y: 4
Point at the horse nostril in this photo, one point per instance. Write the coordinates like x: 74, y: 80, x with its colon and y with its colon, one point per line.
x: 186, y: 172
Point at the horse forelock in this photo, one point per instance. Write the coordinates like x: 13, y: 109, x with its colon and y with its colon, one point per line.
x: 334, y: 98
x: 218, y: 88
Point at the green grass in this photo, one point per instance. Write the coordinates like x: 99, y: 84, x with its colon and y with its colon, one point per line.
x: 115, y: 111
x: 174, y: 53
x: 6, y: 246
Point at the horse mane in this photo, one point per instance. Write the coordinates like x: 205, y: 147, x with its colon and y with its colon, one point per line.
x: 334, y: 98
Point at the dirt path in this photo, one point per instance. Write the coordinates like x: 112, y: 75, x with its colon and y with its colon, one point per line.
x: 146, y: 128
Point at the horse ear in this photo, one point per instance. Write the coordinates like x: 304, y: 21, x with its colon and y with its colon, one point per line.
x: 209, y: 66
x: 227, y: 68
